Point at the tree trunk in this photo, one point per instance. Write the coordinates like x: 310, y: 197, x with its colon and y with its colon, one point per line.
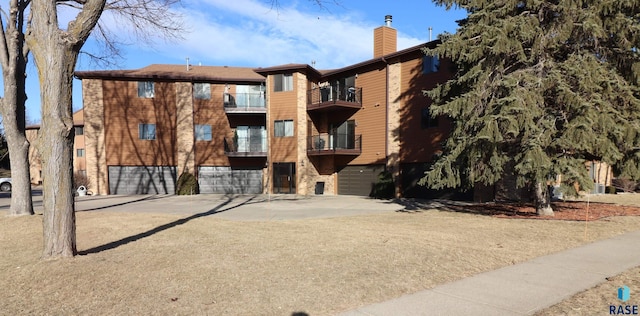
x: 13, y: 113
x: 14, y: 64
x: 543, y: 200
x: 56, y: 140
x: 56, y: 52
x: 21, y: 202
x: 56, y: 61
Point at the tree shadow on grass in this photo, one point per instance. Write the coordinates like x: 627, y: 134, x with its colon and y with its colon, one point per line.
x: 146, y: 198
x: 564, y: 210
x: 218, y: 209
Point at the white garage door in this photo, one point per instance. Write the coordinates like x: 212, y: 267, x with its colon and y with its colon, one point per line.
x: 142, y: 180
x: 227, y: 180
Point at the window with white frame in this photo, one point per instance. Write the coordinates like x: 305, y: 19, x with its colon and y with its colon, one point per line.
x: 202, y: 90
x: 146, y: 89
x: 283, y: 82
x: 283, y: 128
x: 147, y: 131
x: 80, y: 152
x: 203, y: 132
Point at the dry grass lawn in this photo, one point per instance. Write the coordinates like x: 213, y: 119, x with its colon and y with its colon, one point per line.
x: 596, y: 301
x: 141, y: 264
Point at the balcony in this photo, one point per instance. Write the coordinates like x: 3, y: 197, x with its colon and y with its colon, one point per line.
x: 334, y: 144
x: 334, y: 97
x: 244, y: 103
x: 245, y: 147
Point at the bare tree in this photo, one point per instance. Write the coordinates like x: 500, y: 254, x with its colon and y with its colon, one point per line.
x: 55, y: 51
x: 13, y: 59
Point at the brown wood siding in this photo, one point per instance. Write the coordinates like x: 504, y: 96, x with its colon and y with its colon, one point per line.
x: 211, y: 112
x: 283, y: 106
x: 371, y: 118
x: 124, y: 110
x: 419, y: 144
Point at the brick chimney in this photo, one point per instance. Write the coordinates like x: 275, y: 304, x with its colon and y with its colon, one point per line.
x: 385, y: 39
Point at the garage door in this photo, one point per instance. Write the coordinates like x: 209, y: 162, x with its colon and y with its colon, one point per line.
x: 227, y: 180
x: 142, y: 180
x: 358, y: 180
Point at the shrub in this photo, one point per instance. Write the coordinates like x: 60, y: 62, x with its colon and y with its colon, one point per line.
x: 80, y: 178
x: 625, y: 185
x: 384, y: 188
x: 187, y: 184
x: 610, y: 189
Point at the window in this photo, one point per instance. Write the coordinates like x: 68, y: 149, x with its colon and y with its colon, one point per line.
x: 427, y: 120
x: 202, y: 90
x: 203, y: 132
x: 80, y: 152
x: 145, y: 89
x: 79, y: 130
x: 147, y: 131
x: 283, y: 128
x: 283, y: 82
x: 430, y: 64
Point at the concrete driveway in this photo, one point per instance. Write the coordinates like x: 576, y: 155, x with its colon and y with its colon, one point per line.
x: 231, y: 207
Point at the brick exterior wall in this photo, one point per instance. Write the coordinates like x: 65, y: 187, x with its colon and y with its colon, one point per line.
x: 184, y: 129
x: 94, y: 130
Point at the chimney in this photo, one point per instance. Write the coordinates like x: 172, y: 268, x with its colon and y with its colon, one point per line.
x: 385, y: 39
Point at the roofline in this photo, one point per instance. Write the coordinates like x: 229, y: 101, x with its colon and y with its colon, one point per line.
x: 267, y: 70
x: 129, y: 75
x: 384, y: 58
x: 133, y: 75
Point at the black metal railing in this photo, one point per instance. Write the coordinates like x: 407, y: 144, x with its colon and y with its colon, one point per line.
x: 244, y: 101
x: 245, y: 146
x: 334, y: 142
x: 334, y: 93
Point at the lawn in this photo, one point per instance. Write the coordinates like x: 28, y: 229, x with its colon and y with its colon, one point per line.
x: 211, y: 266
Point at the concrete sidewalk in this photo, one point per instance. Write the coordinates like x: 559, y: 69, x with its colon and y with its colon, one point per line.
x: 521, y: 289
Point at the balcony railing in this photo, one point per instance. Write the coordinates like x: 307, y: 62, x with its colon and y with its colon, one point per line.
x: 245, y: 147
x: 334, y: 144
x: 333, y: 97
x: 244, y: 103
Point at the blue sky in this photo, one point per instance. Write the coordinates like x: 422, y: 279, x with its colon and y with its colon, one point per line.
x: 252, y: 33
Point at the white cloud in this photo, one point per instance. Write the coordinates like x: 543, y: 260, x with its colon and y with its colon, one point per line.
x: 250, y: 33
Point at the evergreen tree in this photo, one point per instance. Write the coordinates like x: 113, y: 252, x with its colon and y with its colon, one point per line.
x: 540, y: 87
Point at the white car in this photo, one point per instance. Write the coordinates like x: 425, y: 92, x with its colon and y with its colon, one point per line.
x: 5, y: 184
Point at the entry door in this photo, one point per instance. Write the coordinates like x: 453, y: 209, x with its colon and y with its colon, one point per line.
x: 345, y: 135
x: 257, y: 138
x: 251, y: 139
x: 284, y: 177
x: 243, y: 138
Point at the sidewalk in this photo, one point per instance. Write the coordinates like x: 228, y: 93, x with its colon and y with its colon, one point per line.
x: 520, y: 289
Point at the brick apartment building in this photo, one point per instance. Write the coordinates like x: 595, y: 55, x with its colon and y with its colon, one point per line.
x: 79, y: 162
x: 283, y: 129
